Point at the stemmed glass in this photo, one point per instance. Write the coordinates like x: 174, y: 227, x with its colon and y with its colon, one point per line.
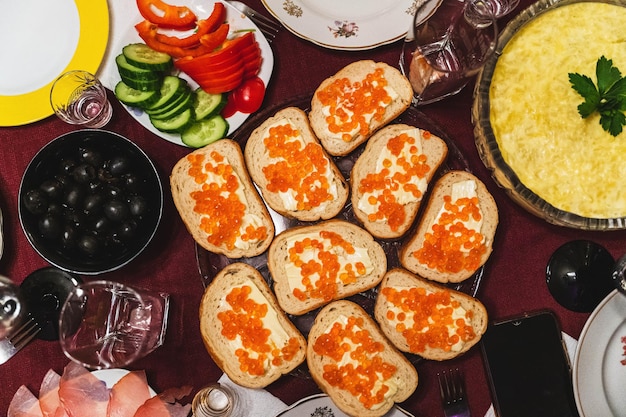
x: 443, y: 51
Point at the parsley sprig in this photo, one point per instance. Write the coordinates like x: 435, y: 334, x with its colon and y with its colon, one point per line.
x: 608, y: 98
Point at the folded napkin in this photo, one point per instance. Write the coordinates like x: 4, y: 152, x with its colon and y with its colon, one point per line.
x: 570, y: 344
x: 256, y: 402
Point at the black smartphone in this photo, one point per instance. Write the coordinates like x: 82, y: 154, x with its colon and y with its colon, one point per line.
x: 528, y: 367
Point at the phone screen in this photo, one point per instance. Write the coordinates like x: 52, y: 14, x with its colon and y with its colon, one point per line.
x: 528, y: 367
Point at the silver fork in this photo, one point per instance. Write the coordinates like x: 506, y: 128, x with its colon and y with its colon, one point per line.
x: 13, y: 343
x: 452, y: 389
x: 268, y: 26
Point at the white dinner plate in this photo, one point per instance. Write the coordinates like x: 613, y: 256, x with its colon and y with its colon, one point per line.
x: 599, y: 376
x: 319, y: 405
x: 111, y: 376
x: 347, y: 24
x: 202, y: 8
x: 39, y: 40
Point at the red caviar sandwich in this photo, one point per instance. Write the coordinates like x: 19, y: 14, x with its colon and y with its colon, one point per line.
x: 218, y: 203
x: 391, y: 176
x: 313, y: 265
x: 353, y: 362
x: 348, y: 107
x: 455, y: 235
x: 295, y: 175
x: 246, y: 333
x: 428, y: 319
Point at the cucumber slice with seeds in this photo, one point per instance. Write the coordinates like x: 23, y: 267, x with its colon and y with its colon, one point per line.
x: 135, y: 98
x: 171, y: 89
x: 206, y: 104
x: 174, y: 124
x: 203, y: 132
x: 127, y: 70
x: 142, y: 56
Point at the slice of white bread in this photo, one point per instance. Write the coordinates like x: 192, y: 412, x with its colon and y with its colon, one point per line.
x: 323, y: 351
x: 439, y: 262
x: 346, y: 90
x: 216, y: 306
x: 334, y: 239
x: 400, y: 207
x: 400, y: 291
x: 209, y: 215
x: 305, y: 174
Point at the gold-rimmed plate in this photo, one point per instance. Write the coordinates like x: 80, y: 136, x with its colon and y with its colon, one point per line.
x: 42, y: 39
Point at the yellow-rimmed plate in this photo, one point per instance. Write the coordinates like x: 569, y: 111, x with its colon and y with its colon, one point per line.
x: 39, y: 40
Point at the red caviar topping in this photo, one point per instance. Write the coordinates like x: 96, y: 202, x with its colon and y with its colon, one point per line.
x: 322, y: 275
x: 361, y: 378
x: 221, y: 209
x: 300, y: 169
x: 383, y: 187
x: 432, y: 316
x: 450, y: 246
x: 245, y: 319
x: 349, y: 103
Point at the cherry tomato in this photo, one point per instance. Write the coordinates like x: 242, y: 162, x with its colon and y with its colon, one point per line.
x: 249, y: 96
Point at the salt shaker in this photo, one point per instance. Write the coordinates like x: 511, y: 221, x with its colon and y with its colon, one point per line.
x: 216, y: 400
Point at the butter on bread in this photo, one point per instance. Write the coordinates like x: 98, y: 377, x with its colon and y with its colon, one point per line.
x: 332, y: 245
x: 398, y: 381
x: 222, y: 208
x: 474, y: 214
x: 345, y: 91
x: 216, y: 308
x: 293, y: 171
x: 399, y: 290
x: 410, y: 157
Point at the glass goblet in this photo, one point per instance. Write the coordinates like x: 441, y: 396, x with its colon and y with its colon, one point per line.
x: 443, y: 51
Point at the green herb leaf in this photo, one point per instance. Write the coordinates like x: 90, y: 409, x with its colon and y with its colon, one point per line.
x: 608, y: 98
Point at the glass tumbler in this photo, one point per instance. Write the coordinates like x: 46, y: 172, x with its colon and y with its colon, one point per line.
x: 105, y: 324
x: 78, y: 98
x: 445, y: 50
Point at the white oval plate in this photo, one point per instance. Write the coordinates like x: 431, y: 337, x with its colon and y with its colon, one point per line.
x: 348, y: 24
x: 598, y: 375
x: 322, y: 405
x: 202, y: 8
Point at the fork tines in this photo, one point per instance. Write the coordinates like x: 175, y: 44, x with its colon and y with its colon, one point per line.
x: 452, y: 390
x: 25, y: 333
x: 270, y: 30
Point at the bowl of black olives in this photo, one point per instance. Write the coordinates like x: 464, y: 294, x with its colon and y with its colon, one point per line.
x: 90, y: 201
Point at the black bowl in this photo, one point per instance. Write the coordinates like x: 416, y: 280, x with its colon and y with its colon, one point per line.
x: 90, y: 201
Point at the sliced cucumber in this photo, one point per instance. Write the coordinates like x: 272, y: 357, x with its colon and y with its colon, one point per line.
x: 175, y: 124
x: 203, y: 132
x: 206, y: 104
x: 171, y: 89
x: 174, y: 102
x: 142, y: 56
x: 135, y: 98
x: 127, y: 70
x: 142, y: 85
x: 174, y: 111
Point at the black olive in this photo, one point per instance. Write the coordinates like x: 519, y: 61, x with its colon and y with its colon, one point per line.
x: 67, y: 165
x: 138, y: 205
x: 101, y: 226
x: 127, y: 230
x: 84, y: 173
x: 91, y: 157
x: 53, y: 189
x: 68, y: 236
x: 50, y: 226
x: 36, y: 202
x: 88, y: 244
x: 93, y: 203
x: 116, y: 210
x: 119, y: 165
x: 114, y: 192
x: 74, y: 195
x: 56, y: 209
x: 132, y: 183
x: 75, y: 219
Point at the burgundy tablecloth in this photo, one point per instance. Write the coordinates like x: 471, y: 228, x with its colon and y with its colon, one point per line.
x: 514, y: 276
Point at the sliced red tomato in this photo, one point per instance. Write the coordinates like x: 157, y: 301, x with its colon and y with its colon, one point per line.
x: 248, y: 97
x: 167, y: 15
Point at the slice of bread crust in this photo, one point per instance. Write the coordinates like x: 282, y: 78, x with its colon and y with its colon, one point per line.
x: 398, y: 277
x: 183, y: 185
x: 435, y: 150
x: 357, y: 72
x: 278, y: 257
x: 441, y: 188
x: 257, y: 160
x: 234, y: 275
x: 404, y: 381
